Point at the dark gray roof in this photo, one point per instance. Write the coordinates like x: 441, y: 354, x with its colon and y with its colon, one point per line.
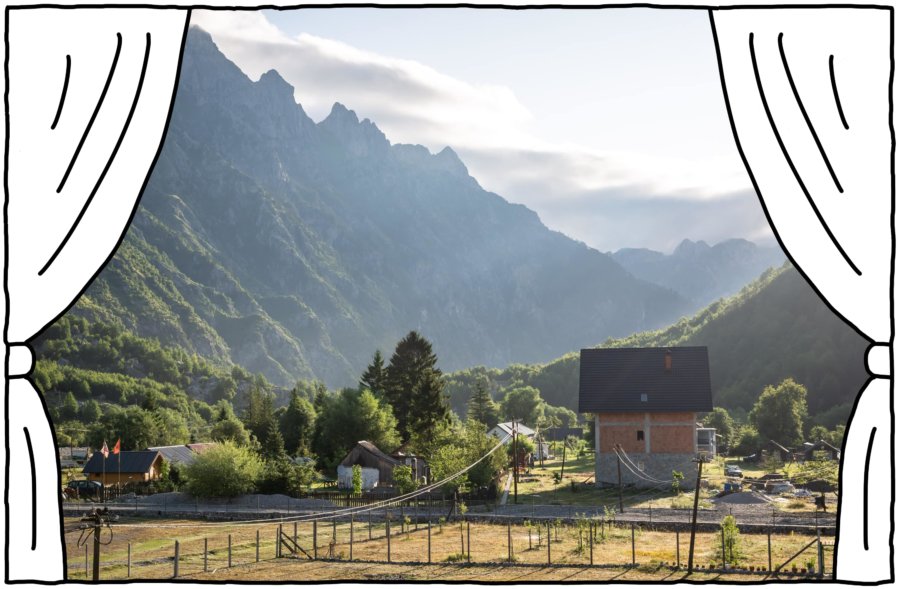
x: 636, y: 379
x: 175, y: 454
x: 139, y: 462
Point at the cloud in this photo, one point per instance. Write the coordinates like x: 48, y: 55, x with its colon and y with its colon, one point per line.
x: 578, y: 190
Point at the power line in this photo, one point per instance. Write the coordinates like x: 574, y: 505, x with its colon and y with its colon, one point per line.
x: 337, y: 513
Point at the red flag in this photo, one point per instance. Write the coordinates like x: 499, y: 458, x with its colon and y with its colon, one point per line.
x: 117, y: 447
x: 105, y: 450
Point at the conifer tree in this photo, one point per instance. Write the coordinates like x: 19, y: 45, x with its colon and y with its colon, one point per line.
x: 482, y: 407
x: 415, y: 387
x: 375, y: 375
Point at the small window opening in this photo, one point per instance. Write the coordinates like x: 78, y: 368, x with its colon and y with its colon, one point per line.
x: 640, y: 435
x: 643, y: 397
x: 668, y: 361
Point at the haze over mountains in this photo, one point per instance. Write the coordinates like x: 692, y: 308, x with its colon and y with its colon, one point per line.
x: 699, y: 272
x: 297, y: 249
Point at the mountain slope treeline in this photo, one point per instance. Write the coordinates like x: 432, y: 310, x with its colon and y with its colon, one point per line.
x: 295, y: 248
x: 775, y: 328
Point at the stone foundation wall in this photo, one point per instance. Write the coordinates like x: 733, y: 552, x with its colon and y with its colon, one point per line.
x: 658, y: 466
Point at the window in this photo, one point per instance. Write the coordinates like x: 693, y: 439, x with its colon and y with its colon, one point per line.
x: 643, y: 397
x: 640, y: 435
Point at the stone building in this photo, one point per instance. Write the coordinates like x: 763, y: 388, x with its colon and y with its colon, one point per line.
x: 645, y: 401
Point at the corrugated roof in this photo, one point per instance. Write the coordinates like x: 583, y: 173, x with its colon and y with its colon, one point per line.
x: 521, y: 428
x: 133, y: 461
x: 175, y: 454
x: 374, y: 451
x: 636, y: 379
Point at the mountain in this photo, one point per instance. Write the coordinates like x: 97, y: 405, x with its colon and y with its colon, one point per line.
x: 296, y: 249
x: 774, y: 328
x: 699, y: 272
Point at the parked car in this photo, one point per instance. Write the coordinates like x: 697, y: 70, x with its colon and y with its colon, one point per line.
x: 732, y: 470
x: 83, y: 488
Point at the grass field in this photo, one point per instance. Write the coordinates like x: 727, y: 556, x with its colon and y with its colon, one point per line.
x: 152, y: 548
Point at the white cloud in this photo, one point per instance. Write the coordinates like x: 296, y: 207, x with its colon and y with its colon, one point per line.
x: 488, y: 125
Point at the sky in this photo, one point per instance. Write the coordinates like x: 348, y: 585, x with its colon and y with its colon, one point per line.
x: 610, y: 124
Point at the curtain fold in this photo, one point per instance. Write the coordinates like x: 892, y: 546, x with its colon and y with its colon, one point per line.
x: 90, y: 92
x: 808, y: 94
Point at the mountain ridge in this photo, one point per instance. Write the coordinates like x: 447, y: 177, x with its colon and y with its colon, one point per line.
x: 296, y: 249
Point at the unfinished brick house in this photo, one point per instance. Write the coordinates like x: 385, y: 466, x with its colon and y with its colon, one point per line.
x: 646, y: 401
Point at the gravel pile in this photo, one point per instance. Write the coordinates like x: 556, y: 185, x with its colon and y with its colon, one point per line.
x: 743, y: 498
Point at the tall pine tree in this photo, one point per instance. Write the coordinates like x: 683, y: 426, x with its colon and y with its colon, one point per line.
x: 414, y: 387
x: 482, y: 407
x: 375, y: 376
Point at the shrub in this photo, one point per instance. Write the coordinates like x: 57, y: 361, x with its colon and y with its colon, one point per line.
x: 224, y: 470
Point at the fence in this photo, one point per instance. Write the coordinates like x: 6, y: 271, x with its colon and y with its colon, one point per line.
x: 155, y: 552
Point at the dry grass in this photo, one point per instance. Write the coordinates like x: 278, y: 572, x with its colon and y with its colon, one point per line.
x: 153, y: 550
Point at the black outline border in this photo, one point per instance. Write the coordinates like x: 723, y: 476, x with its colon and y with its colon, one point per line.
x: 696, y: 7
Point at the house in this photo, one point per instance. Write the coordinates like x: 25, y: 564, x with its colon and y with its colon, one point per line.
x: 706, y: 441
x: 501, y: 430
x: 820, y: 450
x: 645, y: 401
x: 775, y: 449
x: 183, y: 454
x: 140, y: 466
x: 418, y: 465
x: 71, y: 457
x: 377, y: 467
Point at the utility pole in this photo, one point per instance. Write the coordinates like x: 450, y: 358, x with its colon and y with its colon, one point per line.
x: 619, y: 468
x: 95, y: 521
x: 515, y: 463
x: 699, y: 462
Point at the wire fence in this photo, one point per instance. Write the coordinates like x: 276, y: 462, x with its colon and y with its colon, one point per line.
x: 201, y: 551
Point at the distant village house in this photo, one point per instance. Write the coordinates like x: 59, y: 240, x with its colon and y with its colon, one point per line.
x: 645, y: 401
x: 137, y: 467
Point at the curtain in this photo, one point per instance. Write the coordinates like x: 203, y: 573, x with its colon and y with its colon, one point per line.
x: 808, y: 94
x: 90, y: 92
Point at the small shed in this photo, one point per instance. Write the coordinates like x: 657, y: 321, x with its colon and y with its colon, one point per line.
x: 377, y: 467
x: 502, y: 430
x: 137, y: 467
x: 182, y: 454
x: 820, y: 450
x: 415, y: 462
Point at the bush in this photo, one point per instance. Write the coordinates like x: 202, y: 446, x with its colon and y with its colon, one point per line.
x: 224, y: 470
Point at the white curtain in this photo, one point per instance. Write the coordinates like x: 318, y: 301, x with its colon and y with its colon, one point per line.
x: 808, y: 95
x: 90, y: 92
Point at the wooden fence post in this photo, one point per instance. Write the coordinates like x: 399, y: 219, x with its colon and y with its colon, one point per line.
x: 257, y: 545
x: 295, y: 534
x: 548, y: 541
x: 205, y: 555
x: 633, y: 560
x: 351, y: 536
x: 591, y: 541
x: 229, y: 550
x: 278, y: 542
x: 370, y: 525
x: 86, y: 573
x: 429, y: 540
x: 509, y: 554
x: 769, y: 539
x: 129, y: 560
x: 315, y: 540
x: 723, y: 549
x: 387, y: 533
x: 177, y: 556
x: 468, y: 542
x: 334, y: 530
